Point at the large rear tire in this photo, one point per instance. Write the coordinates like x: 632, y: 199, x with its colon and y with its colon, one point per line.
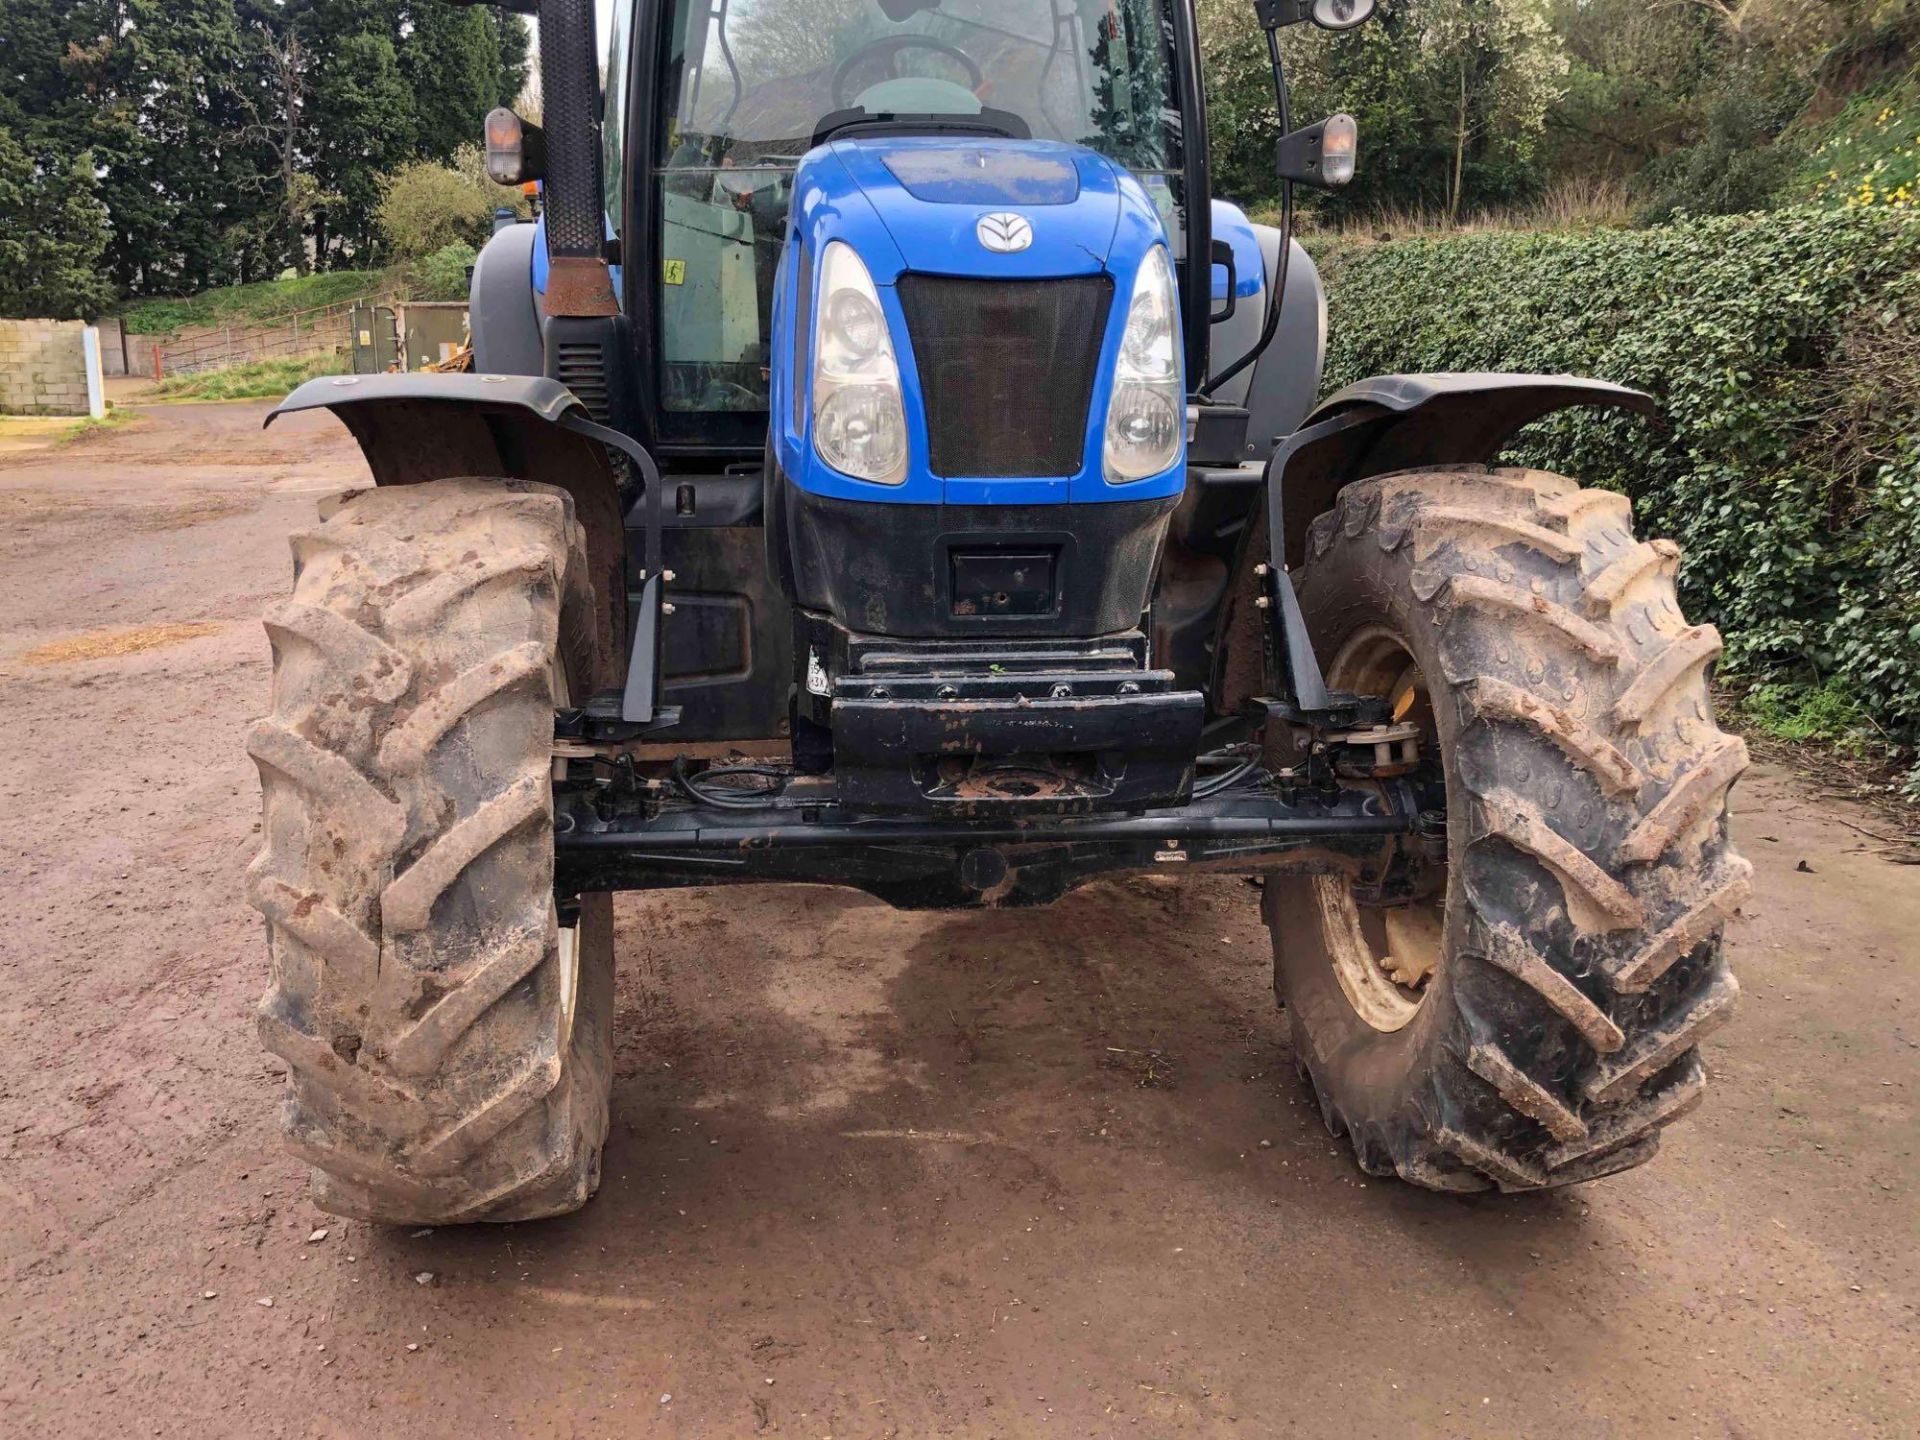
x: 1536, y: 1024
x: 447, y: 1038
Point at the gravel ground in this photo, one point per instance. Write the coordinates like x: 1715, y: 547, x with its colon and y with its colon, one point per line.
x: 871, y: 1173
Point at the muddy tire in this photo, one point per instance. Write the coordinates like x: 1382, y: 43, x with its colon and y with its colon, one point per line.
x: 1576, y: 940
x: 447, y: 1042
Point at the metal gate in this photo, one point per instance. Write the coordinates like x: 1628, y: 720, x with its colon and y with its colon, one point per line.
x: 376, y: 339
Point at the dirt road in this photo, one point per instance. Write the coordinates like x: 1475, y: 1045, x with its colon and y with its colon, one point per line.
x: 871, y: 1173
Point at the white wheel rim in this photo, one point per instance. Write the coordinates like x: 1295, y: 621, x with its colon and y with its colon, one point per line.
x: 1386, y: 963
x: 568, y: 943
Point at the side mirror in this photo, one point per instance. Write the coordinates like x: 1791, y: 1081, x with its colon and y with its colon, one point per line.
x: 516, y: 150
x: 1327, y: 14
x: 1324, y: 155
x: 1342, y: 14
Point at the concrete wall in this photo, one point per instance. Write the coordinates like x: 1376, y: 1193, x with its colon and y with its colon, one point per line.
x: 43, y: 367
x: 113, y: 345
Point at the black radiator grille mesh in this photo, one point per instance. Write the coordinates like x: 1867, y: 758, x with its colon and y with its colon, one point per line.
x: 1006, y: 369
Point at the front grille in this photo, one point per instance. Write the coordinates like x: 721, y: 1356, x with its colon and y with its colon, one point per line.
x: 1006, y: 370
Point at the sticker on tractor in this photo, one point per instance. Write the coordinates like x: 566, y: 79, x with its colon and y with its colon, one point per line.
x: 676, y: 272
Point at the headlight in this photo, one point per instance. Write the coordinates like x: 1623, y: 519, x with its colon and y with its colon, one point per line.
x: 859, y: 423
x: 1144, y: 415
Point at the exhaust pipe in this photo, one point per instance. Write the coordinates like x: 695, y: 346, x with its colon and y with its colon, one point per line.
x: 578, y: 282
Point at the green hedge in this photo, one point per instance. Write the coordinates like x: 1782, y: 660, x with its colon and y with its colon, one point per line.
x: 1785, y: 349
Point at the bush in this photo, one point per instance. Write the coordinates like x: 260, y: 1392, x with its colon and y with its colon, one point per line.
x: 428, y: 206
x: 1742, y: 164
x: 443, y: 274
x: 1785, y: 351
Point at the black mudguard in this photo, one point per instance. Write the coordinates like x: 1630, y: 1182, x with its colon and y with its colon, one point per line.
x: 415, y: 428
x: 1405, y: 422
x: 1376, y: 427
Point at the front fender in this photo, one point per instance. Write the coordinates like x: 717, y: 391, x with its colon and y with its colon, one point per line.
x: 416, y: 428
x: 1406, y: 422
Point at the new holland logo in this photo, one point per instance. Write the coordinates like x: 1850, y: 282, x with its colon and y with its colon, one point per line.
x: 1004, y: 232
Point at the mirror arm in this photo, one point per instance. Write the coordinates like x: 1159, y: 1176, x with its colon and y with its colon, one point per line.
x: 1284, y: 104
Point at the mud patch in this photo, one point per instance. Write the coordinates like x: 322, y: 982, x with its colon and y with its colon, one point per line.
x: 107, y: 644
x: 22, y: 508
x: 25, y: 504
x: 200, y: 511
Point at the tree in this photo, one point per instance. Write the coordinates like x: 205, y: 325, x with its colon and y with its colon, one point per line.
x: 182, y: 194
x: 145, y: 87
x: 516, y: 56
x: 1500, y: 68
x: 1811, y: 38
x: 1639, y: 83
x: 1451, y: 96
x: 53, y: 233
x: 1241, y: 122
x: 272, y: 105
x: 360, y: 124
x: 450, y: 58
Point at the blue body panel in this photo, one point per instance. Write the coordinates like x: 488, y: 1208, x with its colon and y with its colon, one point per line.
x: 942, y: 175
x: 1089, y: 217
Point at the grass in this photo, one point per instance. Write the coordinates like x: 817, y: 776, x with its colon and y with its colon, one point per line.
x: 1801, y: 715
x: 1576, y: 203
x: 90, y: 426
x: 250, y: 304
x: 255, y: 380
x: 39, y: 432
x: 1868, y: 154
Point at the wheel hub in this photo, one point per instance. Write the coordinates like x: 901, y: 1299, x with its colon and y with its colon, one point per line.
x: 1386, y: 950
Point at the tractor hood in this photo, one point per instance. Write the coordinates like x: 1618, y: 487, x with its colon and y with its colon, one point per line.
x: 919, y: 203
x: 932, y: 193
x: 925, y: 214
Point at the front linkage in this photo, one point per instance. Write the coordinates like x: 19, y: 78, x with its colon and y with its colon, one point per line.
x: 630, y: 832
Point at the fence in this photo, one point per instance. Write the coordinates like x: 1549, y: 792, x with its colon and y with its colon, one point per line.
x: 302, y: 332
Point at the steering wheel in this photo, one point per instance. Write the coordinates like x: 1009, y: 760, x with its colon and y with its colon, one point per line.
x: 889, y: 49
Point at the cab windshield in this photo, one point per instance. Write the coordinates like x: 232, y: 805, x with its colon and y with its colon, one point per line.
x: 748, y: 83
x: 752, y: 79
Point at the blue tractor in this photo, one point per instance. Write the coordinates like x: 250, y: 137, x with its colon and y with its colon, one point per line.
x: 888, y: 465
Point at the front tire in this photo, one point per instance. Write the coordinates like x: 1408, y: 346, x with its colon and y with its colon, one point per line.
x: 447, y: 1032
x: 1537, y: 1026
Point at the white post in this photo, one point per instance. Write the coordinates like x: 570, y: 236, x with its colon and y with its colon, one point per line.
x: 96, y: 382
